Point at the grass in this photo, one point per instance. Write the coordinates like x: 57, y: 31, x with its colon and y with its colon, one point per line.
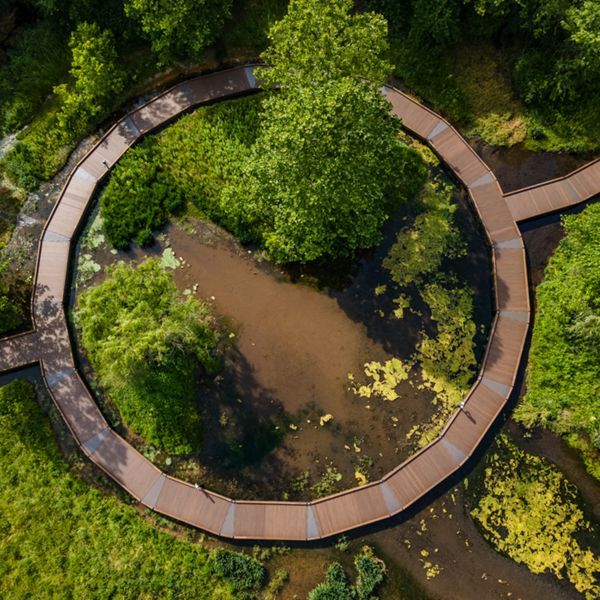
x: 484, y: 77
x: 62, y: 539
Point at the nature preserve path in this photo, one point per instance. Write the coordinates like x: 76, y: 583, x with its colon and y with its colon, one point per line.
x: 50, y: 343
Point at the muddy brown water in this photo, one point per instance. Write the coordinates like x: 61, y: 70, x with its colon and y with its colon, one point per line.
x: 516, y: 167
x: 296, y: 337
x: 294, y: 346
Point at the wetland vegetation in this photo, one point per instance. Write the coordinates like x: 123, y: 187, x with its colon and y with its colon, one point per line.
x: 284, y: 295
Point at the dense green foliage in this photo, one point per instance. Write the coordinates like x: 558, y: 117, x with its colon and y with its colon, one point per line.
x: 549, y: 50
x: 10, y: 316
x: 138, y: 198
x: 108, y: 56
x: 370, y: 574
x: 192, y: 161
x: 61, y: 538
x: 529, y: 511
x: 181, y: 29
x: 97, y: 79
x: 305, y: 201
x: 34, y: 66
x: 245, y: 573
x: 563, y: 382
x: 145, y: 343
x: 327, y: 167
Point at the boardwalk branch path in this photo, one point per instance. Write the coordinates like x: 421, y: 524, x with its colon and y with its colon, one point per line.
x: 50, y: 345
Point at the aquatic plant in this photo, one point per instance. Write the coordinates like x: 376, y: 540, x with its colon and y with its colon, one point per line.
x: 528, y: 510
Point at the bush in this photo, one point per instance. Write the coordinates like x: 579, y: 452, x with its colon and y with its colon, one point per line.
x: 243, y: 572
x: 33, y: 67
x: 563, y: 375
x: 145, y: 344
x: 335, y: 586
x: 370, y: 570
x: 138, y: 198
x: 9, y: 315
x: 97, y: 79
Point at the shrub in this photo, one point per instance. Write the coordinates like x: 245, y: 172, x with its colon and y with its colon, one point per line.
x: 370, y: 570
x: 335, y: 586
x: 9, y: 315
x: 243, y: 572
x: 145, y: 344
x: 97, y: 79
x: 138, y: 198
x: 191, y: 161
x: 32, y: 68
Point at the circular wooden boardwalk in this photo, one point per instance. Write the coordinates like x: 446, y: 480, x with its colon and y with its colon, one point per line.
x: 49, y: 344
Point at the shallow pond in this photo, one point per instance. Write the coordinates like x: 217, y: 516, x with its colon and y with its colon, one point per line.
x: 281, y: 417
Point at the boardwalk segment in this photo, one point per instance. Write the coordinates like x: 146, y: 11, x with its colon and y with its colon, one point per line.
x: 290, y: 521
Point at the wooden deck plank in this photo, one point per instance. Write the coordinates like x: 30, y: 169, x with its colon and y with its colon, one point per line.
x: 75, y: 403
x: 512, y: 292
x: 415, y: 117
x: 197, y: 507
x: 19, y: 350
x: 505, y: 351
x: 125, y: 465
x: 493, y: 213
x: 53, y: 266
x: 459, y: 156
x: 65, y: 219
x: 270, y: 521
x: 219, y: 85
x: 359, y: 506
x: 161, y: 109
x: 474, y: 420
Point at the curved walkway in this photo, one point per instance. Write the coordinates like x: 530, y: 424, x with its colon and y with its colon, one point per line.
x: 50, y: 344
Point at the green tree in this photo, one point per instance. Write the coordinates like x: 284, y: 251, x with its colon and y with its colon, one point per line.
x: 179, y: 29
x: 582, y: 22
x: 436, y: 21
x: 319, y: 41
x: 97, y: 79
x: 327, y: 167
x: 145, y: 344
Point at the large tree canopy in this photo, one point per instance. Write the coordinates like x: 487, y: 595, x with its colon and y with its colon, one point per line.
x: 328, y: 166
x: 96, y: 74
x: 321, y: 40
